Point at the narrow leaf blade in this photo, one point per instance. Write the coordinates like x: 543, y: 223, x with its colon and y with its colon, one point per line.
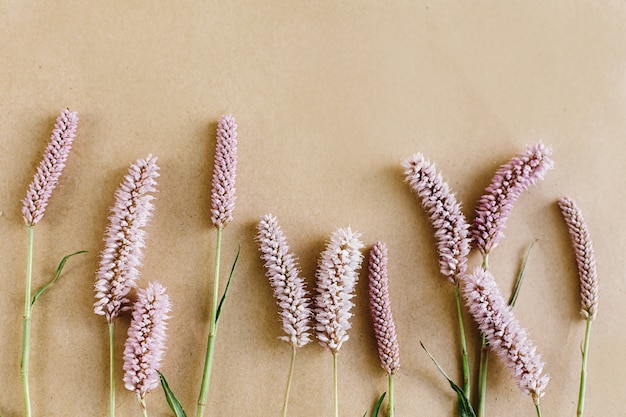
x: 56, y: 277
x: 378, y: 404
x: 230, y: 278
x: 520, y: 277
x: 465, y: 409
x: 172, y: 401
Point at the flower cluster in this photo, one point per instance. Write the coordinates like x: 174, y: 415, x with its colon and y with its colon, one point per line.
x: 125, y: 238
x: 496, y: 204
x: 584, y: 256
x: 451, y: 228
x: 284, y: 275
x: 145, y: 346
x: 224, y: 172
x: 336, y: 280
x: 50, y: 168
x: 506, y: 337
x: 384, y: 327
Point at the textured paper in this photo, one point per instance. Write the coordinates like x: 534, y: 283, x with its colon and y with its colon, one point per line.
x: 329, y: 98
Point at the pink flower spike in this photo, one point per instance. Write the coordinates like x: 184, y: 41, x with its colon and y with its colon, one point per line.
x: 125, y: 238
x: 451, y: 228
x: 495, y: 206
x: 145, y: 346
x: 585, y: 257
x: 384, y: 327
x: 224, y: 172
x: 506, y: 337
x: 50, y: 168
x: 290, y: 291
x: 336, y: 281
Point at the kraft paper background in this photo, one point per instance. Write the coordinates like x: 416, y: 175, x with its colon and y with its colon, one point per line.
x: 329, y: 97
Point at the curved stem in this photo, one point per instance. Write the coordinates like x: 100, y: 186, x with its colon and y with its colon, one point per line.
x: 208, y: 360
x: 112, y: 369
x: 464, y: 354
x: 583, y: 371
x: 336, y: 399
x: 390, y: 406
x: 291, y: 367
x: 25, y: 359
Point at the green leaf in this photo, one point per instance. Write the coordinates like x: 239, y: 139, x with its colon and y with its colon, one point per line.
x: 378, y: 404
x: 520, y: 277
x: 172, y: 401
x: 57, y: 275
x: 465, y: 409
x: 230, y: 278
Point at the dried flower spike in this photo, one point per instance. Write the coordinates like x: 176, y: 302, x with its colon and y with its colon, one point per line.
x: 224, y: 172
x: 384, y: 327
x: 336, y: 281
x: 125, y: 238
x: 50, y: 168
x: 584, y: 256
x: 506, y: 337
x: 451, y: 228
x: 145, y: 346
x: 283, y: 273
x: 495, y: 206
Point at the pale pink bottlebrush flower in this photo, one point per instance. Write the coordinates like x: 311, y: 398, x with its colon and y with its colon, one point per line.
x: 50, y: 168
x: 384, y: 326
x: 585, y: 257
x: 451, y: 228
x: 125, y: 238
x: 290, y: 291
x: 145, y: 346
x: 224, y: 172
x: 336, y: 278
x: 495, y: 206
x: 506, y: 337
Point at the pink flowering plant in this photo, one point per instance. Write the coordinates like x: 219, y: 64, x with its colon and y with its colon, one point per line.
x: 33, y: 209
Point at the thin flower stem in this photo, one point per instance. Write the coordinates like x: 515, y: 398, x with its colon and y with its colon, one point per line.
x: 25, y: 360
x: 208, y: 361
x: 464, y: 354
x: 538, y: 409
x: 390, y: 405
x: 142, y: 405
x: 336, y: 399
x: 482, y: 377
x: 583, y: 371
x: 288, y: 389
x: 112, y: 369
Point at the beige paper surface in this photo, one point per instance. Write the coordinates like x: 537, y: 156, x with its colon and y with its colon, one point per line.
x: 329, y: 98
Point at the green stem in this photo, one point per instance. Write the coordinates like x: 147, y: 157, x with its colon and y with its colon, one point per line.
x: 538, y: 409
x: 390, y: 406
x: 208, y: 360
x: 291, y: 367
x: 142, y: 405
x: 112, y: 369
x: 583, y: 371
x: 482, y: 377
x: 25, y: 359
x: 336, y: 399
x: 464, y: 354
